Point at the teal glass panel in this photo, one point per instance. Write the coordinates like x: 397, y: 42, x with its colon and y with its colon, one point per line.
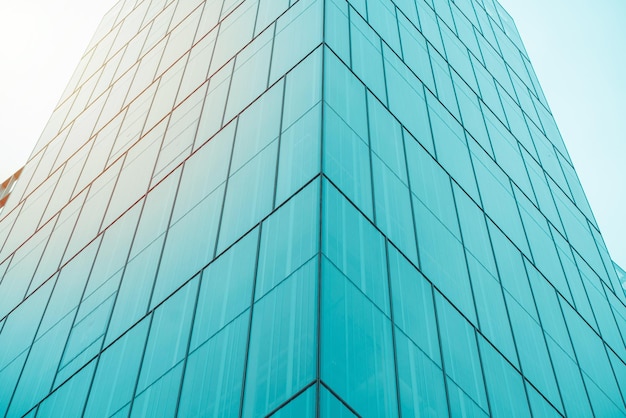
x: 460, y: 352
x: 249, y: 195
x: 283, y: 352
x: 268, y: 12
x: 357, y: 349
x: 415, y: 50
x: 345, y: 94
x: 302, y: 406
x: 298, y: 32
x: 406, y: 99
x: 331, y: 407
x: 195, y: 185
x: 90, y: 323
x: 303, y: 88
x: 366, y: 54
x: 133, y: 295
x: 189, y: 246
x: 155, y: 213
x: 602, y: 404
x: 336, y: 28
x: 505, y: 386
x: 512, y: 272
x: 413, y: 305
x: 355, y: 247
x: 382, y: 16
x: 539, y: 406
x: 69, y: 399
x: 347, y: 161
x: 393, y: 208
x: 591, y: 354
x: 492, y: 310
x: 214, y: 373
x: 69, y: 288
x: 431, y: 185
x: 386, y: 137
x: 534, y: 357
x: 300, y: 149
x: 36, y: 377
x: 250, y: 75
x: 257, y: 127
x: 169, y: 335
x: 116, y: 374
x: 421, y: 385
x: 461, y: 404
x: 442, y: 259
x: 451, y: 147
x: 474, y: 231
x: 552, y: 320
x: 289, y: 238
x: 18, y: 333
x: 160, y: 398
x: 221, y: 300
x: 575, y: 398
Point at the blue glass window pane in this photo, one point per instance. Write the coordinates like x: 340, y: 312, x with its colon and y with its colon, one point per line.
x: 382, y: 16
x: 460, y: 351
x: 116, y: 374
x: 283, y: 353
x: 366, y: 55
x: 533, y: 353
x: 511, y: 268
x: 300, y: 149
x: 416, y: 52
x: 155, y: 213
x: 347, y: 161
x: 258, y: 126
x: 189, y: 246
x: 442, y: 259
x: 422, y: 390
x: 331, y: 407
x: 413, y: 305
x: 431, y: 184
x: 303, y: 88
x: 505, y: 384
x: 169, y: 335
x: 591, y: 354
x: 539, y: 406
x: 298, y: 32
x: 393, y: 208
x: 355, y: 247
x: 250, y: 74
x: 196, y: 183
x: 289, y: 238
x: 303, y: 406
x: 357, y: 349
x: 249, y: 195
x: 336, y: 30
x: 160, y: 398
x: 570, y: 382
x: 345, y: 94
x: 386, y: 137
x: 214, y: 373
x: 69, y: 400
x: 133, y: 295
x: 406, y: 99
x: 37, y: 376
x: 220, y: 300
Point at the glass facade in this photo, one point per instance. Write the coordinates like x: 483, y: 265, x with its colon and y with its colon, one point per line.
x: 305, y: 208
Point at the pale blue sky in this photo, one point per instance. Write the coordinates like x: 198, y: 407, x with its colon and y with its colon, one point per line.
x: 578, y: 49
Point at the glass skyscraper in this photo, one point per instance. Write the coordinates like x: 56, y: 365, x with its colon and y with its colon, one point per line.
x: 305, y: 208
